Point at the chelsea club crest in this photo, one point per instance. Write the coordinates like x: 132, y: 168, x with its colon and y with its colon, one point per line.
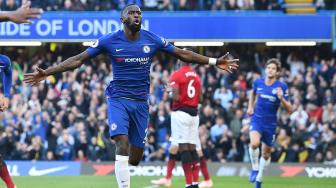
x: 146, y: 49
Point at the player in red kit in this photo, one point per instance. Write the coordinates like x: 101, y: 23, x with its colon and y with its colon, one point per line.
x: 185, y: 89
x: 186, y: 86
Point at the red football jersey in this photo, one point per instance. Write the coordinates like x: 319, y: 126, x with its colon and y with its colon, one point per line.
x: 189, y: 84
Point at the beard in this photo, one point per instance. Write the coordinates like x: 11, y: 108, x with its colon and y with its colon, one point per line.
x: 272, y: 76
x: 134, y: 27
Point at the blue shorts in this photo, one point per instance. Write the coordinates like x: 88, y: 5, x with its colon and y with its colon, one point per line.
x: 266, y: 130
x: 128, y: 117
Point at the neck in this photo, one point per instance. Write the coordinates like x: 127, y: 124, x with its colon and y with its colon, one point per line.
x: 270, y: 81
x: 130, y: 35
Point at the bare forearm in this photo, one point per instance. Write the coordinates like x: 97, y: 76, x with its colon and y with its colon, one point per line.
x: 251, y: 100
x: 66, y: 65
x: 287, y: 105
x: 69, y: 64
x: 192, y: 57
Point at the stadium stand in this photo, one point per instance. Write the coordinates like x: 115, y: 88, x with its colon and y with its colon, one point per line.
x: 172, y: 5
x: 65, y: 117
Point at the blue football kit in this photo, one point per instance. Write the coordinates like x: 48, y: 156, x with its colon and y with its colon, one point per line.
x: 6, y: 71
x: 128, y: 91
x: 264, y: 119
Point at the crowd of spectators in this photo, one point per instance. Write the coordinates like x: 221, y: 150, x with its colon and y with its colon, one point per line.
x: 65, y: 118
x: 168, y: 5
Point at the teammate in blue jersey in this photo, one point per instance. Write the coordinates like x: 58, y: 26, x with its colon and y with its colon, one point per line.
x: 21, y: 15
x: 6, y: 72
x: 267, y: 96
x: 131, y: 51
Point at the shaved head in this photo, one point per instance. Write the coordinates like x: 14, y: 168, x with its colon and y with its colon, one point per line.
x: 124, y: 10
x: 131, y: 17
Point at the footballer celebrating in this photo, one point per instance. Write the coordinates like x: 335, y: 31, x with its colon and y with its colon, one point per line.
x: 267, y: 95
x: 131, y: 51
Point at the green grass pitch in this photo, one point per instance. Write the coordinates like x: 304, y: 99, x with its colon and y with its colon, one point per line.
x: 178, y: 182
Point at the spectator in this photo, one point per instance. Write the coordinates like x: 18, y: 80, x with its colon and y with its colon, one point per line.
x: 218, y: 129
x: 261, y: 4
x: 236, y: 124
x: 224, y: 96
x: 151, y: 4
x: 95, y: 152
x: 65, y: 150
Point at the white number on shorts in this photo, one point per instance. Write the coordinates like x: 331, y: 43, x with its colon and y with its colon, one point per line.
x: 191, y: 89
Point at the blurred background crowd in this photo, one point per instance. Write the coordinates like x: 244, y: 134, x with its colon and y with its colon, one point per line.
x: 65, y: 117
x: 170, y: 5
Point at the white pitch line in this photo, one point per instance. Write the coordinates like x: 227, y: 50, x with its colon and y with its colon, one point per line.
x: 151, y: 186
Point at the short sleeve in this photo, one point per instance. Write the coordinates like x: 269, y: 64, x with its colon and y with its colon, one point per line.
x: 163, y: 44
x: 98, y: 46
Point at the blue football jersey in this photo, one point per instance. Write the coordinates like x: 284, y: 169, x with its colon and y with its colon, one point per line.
x: 131, y: 62
x: 6, y: 71
x: 267, y: 100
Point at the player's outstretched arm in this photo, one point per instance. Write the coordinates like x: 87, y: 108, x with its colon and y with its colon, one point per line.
x: 223, y: 62
x: 69, y: 64
x: 251, y: 103
x: 22, y: 14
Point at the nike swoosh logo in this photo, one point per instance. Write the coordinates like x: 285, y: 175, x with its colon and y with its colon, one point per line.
x: 35, y: 172
x: 118, y: 50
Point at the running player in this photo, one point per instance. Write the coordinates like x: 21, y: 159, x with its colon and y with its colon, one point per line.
x: 21, y: 15
x: 266, y: 97
x: 186, y: 98
x: 131, y: 51
x: 6, y: 71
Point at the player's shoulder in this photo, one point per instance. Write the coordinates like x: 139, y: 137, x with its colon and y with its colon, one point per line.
x: 282, y: 84
x: 148, y: 33
x: 111, y: 36
x: 5, y: 59
x: 107, y: 39
x: 259, y: 81
x: 153, y: 36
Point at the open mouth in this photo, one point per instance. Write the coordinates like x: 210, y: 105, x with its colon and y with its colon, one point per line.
x: 137, y: 22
